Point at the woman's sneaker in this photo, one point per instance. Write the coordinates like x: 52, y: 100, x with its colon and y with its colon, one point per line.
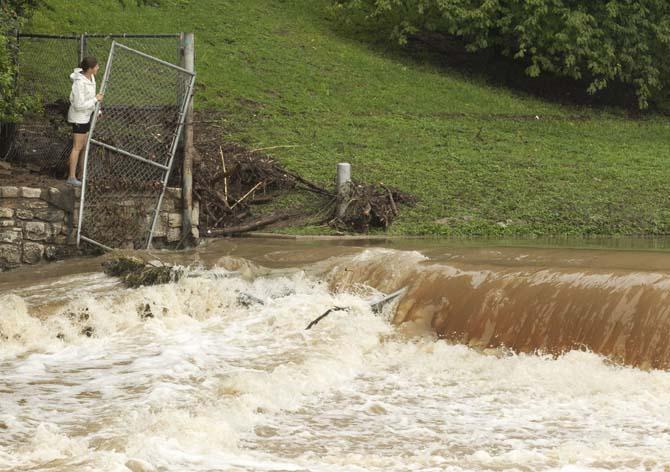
x: 73, y: 182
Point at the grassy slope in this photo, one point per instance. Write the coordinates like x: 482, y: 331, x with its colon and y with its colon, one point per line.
x: 284, y: 75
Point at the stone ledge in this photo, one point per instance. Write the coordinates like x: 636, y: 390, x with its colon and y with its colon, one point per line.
x: 38, y: 224
x: 9, y: 192
x: 29, y: 192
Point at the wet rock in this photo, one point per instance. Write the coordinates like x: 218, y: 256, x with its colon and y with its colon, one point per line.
x: 52, y: 215
x: 136, y: 273
x: 10, y: 255
x: 55, y: 253
x: 246, y: 300
x: 38, y: 205
x: 24, y: 214
x: 122, y: 266
x: 50, y: 253
x: 10, y: 236
x: 87, y: 331
x: 36, y: 231
x: 27, y: 192
x: 32, y: 252
x: 173, y: 234
x: 145, y: 312
x: 79, y: 316
x: 9, y: 192
x: 151, y: 276
x: 137, y: 465
x: 174, y: 220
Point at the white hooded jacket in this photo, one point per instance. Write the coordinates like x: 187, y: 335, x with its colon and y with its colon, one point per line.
x: 82, y: 98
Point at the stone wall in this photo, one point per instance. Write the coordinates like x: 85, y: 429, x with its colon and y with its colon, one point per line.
x: 39, y: 224
x: 32, y: 227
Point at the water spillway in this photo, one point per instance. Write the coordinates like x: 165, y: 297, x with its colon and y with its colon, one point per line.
x: 619, y: 313
x: 191, y: 376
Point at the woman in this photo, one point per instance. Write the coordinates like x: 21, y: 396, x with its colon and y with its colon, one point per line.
x: 82, y: 105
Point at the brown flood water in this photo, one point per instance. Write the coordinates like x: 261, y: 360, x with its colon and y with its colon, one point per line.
x: 529, y: 298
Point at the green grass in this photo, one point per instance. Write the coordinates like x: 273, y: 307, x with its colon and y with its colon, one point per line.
x: 283, y: 73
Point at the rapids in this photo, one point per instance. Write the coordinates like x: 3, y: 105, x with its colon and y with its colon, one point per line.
x: 494, y: 359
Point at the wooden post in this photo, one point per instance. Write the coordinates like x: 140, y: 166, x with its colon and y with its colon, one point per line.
x: 82, y: 47
x: 343, y: 183
x: 188, y: 63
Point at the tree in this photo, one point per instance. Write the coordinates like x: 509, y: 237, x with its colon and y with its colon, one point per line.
x: 601, y: 41
x: 12, y: 13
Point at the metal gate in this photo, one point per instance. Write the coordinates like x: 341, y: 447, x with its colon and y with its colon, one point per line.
x: 131, y: 147
x: 45, y: 63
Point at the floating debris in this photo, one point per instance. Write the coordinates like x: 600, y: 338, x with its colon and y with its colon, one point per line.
x: 134, y: 272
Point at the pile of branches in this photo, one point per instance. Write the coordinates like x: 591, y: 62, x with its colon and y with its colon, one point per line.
x: 369, y: 206
x: 135, y: 272
x: 229, y: 183
x: 230, y: 180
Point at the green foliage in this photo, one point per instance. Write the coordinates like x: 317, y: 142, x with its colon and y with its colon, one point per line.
x: 12, y: 12
x: 601, y: 41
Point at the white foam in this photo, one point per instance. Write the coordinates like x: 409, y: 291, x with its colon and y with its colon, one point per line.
x: 207, y: 383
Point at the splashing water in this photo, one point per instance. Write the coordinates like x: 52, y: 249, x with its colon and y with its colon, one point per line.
x: 186, y: 377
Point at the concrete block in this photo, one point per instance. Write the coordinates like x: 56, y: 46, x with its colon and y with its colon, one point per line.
x: 168, y: 204
x: 64, y: 239
x: 10, y: 255
x: 24, y: 214
x: 53, y: 215
x: 28, y: 192
x: 6, y: 213
x: 173, y: 235
x: 195, y: 216
x: 173, y: 193
x: 36, y: 231
x: 10, y: 236
x: 50, y: 253
x: 55, y: 228
x: 37, y: 204
x: 9, y: 192
x: 32, y: 252
x: 174, y: 220
x: 160, y: 231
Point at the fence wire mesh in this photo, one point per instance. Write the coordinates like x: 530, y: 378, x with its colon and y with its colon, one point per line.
x: 45, y: 64
x: 131, y: 147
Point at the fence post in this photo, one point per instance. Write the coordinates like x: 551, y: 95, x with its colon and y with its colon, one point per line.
x: 188, y: 63
x: 343, y: 185
x: 82, y: 47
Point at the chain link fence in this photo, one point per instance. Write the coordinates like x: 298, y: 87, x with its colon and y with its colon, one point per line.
x: 43, y: 139
x: 132, y: 144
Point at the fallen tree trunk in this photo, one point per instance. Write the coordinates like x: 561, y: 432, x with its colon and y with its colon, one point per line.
x: 251, y: 226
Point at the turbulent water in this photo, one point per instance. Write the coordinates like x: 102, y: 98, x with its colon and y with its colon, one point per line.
x: 198, y: 376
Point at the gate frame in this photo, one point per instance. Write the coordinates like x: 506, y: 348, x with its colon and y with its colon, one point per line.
x: 173, y: 147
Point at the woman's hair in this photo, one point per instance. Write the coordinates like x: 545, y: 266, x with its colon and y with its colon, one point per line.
x: 89, y: 62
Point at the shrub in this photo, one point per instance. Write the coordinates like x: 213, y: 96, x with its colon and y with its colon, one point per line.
x: 601, y: 41
x: 12, y: 12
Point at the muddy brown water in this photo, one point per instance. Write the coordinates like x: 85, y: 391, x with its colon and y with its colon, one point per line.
x: 607, y: 296
x: 500, y: 356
